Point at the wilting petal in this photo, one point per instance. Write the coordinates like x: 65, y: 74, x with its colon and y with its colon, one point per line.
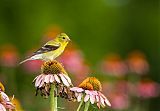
x: 102, y: 95
x: 47, y: 79
x: 68, y: 79
x: 38, y: 80
x: 57, y: 78
x: 76, y: 94
x: 88, y: 92
x: 79, y: 97
x: 105, y: 99
x: 35, y: 78
x: 76, y: 89
x: 98, y: 104
x: 107, y: 102
x: 64, y: 80
x: 2, y: 108
x: 86, y: 98
x: 94, y: 93
x: 102, y: 102
x: 80, y: 90
x: 92, y: 99
x: 41, y: 83
x: 97, y: 98
x: 51, y: 78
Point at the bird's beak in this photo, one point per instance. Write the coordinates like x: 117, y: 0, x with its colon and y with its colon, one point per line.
x: 68, y: 40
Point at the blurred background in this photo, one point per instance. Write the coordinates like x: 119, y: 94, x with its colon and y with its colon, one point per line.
x: 116, y: 41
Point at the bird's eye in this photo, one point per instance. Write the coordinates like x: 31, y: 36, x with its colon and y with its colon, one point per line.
x: 63, y: 37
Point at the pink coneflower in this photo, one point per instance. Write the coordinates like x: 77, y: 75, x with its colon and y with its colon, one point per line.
x: 32, y: 66
x: 90, y: 91
x: 119, y: 100
x: 114, y: 65
x: 147, y: 89
x: 118, y: 93
x: 9, y: 54
x: 53, y: 73
x: 5, y: 102
x: 137, y: 63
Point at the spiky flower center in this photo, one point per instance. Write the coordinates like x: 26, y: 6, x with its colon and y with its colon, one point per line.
x: 91, y: 83
x: 52, y: 67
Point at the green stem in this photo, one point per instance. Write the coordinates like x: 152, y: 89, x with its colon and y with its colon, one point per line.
x: 80, y: 104
x: 87, y: 105
x: 53, y: 98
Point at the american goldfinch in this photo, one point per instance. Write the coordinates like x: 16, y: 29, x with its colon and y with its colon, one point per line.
x: 51, y: 49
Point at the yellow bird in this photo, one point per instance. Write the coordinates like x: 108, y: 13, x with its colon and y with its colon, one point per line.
x: 51, y: 50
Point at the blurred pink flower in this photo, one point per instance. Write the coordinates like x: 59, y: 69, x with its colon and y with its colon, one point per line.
x: 113, y: 65
x: 120, y: 86
x: 147, y: 89
x: 119, y: 101
x: 107, y: 87
x: 137, y: 63
x: 32, y: 66
x: 8, y: 56
x: 117, y: 93
x: 74, y: 62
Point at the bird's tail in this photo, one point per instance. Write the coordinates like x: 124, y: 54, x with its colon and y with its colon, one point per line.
x: 25, y: 60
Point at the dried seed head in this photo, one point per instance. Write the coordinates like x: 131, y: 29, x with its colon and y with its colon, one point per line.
x: 65, y: 92
x: 44, y: 90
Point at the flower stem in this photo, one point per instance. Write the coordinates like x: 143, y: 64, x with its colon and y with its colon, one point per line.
x: 80, y: 104
x: 53, y: 101
x: 87, y: 105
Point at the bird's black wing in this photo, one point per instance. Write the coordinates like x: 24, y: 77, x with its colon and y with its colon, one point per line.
x: 46, y: 48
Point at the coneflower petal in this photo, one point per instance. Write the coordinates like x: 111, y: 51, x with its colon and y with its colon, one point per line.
x: 47, y: 79
x: 2, y: 108
x: 86, y: 98
x: 51, y: 78
x: 57, y: 78
x: 102, y: 102
x: 38, y: 80
x: 79, y: 97
x: 68, y: 79
x: 64, y: 80
x: 92, y: 99
x: 97, y: 98
x: 4, y: 97
x: 107, y: 102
